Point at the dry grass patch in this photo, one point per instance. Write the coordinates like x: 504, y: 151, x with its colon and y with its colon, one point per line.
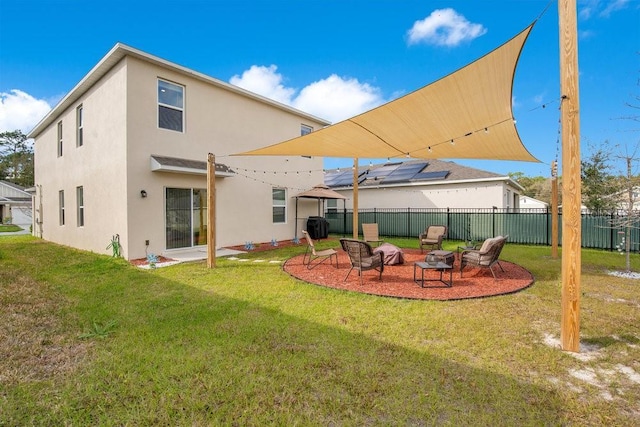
x: 33, y: 344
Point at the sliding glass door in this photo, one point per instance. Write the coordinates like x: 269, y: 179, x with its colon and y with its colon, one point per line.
x: 186, y: 217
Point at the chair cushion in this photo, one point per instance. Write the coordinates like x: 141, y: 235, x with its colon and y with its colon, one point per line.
x: 488, y: 243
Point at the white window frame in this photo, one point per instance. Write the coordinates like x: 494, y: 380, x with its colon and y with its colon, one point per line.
x: 172, y: 107
x: 61, y: 206
x: 80, y: 203
x: 79, y: 126
x: 60, y: 138
x: 305, y: 129
x: 277, y: 203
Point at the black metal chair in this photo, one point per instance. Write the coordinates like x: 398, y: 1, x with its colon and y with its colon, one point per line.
x: 362, y: 257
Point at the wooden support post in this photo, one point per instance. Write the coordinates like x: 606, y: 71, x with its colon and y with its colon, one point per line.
x: 554, y: 210
x: 355, y: 198
x: 211, y: 211
x: 571, y: 185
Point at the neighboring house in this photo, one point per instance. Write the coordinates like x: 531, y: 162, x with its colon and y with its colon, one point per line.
x: 124, y: 153
x: 425, y: 184
x: 527, y: 202
x: 15, y: 204
x: 623, y: 199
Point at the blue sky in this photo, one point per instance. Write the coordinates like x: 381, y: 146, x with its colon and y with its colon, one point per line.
x: 336, y: 58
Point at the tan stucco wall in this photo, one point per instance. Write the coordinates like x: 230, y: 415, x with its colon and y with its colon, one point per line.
x: 98, y: 166
x: 220, y: 122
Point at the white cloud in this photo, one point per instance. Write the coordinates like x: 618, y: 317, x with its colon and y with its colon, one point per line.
x: 614, y: 6
x: 19, y: 110
x: 444, y: 27
x: 334, y: 98
x: 264, y: 81
x: 601, y: 8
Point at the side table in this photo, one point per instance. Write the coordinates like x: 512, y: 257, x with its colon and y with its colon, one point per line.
x: 439, y: 266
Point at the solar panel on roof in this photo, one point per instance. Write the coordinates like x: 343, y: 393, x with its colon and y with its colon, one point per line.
x: 340, y: 179
x: 382, y: 171
x: 405, y: 172
x: 425, y: 176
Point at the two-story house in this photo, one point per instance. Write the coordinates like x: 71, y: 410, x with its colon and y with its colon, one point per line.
x: 125, y: 153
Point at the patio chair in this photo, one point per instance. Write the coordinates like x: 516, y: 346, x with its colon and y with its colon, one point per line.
x: 432, y: 237
x: 362, y: 257
x: 312, y: 257
x: 370, y: 233
x: 485, y: 257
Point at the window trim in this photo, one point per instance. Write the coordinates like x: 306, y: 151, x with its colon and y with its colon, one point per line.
x: 275, y: 205
x: 60, y: 138
x: 79, y: 126
x: 80, y: 205
x: 305, y: 129
x: 61, y: 207
x: 171, y: 107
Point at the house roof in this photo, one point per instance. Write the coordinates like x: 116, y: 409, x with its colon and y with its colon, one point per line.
x: 13, y: 193
x: 412, y: 172
x: 120, y: 51
x: 12, y: 185
x: 186, y: 166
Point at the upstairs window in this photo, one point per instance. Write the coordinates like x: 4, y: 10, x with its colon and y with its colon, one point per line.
x: 60, y: 139
x: 170, y: 106
x: 279, y: 205
x: 79, y: 130
x: 305, y: 130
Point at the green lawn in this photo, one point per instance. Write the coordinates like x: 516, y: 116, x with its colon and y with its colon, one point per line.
x: 9, y: 228
x: 86, y: 339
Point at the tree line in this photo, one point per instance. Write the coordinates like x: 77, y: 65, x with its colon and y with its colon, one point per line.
x: 16, y: 158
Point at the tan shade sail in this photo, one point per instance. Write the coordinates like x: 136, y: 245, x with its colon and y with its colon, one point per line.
x: 465, y: 115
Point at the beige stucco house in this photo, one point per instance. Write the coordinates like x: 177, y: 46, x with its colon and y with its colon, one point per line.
x: 124, y: 153
x: 425, y: 184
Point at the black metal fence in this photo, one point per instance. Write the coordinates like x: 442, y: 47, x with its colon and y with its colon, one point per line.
x: 527, y: 226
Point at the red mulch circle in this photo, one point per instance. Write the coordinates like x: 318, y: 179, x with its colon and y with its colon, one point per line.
x: 397, y: 280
